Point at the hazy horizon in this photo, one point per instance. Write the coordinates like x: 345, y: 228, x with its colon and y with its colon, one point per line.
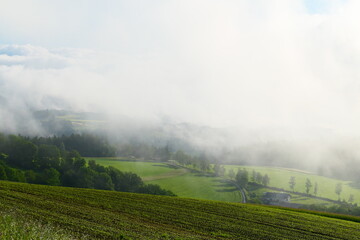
x: 226, y: 64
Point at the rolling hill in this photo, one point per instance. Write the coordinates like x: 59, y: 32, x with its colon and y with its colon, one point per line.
x: 98, y: 214
x: 183, y: 182
x: 279, y: 178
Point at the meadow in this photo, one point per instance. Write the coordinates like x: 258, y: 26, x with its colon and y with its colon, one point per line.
x: 200, y: 186
x: 185, y: 183
x: 99, y: 214
x: 145, y: 170
x: 279, y: 178
x: 182, y: 182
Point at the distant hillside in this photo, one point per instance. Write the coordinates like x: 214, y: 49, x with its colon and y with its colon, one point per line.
x: 99, y: 214
x: 312, y: 149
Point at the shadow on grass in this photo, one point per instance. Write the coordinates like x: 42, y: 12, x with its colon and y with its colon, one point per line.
x: 227, y: 190
x: 354, y: 185
x: 197, y: 174
x: 166, y: 166
x: 123, y: 160
x: 224, y: 185
x: 300, y: 198
x: 216, y: 180
x: 254, y: 186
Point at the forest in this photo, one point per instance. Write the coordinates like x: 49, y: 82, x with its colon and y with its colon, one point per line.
x: 54, y: 161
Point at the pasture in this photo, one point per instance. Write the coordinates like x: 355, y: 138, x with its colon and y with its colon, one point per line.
x: 182, y: 182
x: 279, y: 178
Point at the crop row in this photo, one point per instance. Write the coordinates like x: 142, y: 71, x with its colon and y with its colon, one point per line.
x: 106, y: 214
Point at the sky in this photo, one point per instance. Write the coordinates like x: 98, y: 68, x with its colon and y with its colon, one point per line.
x: 322, y: 6
x: 248, y: 63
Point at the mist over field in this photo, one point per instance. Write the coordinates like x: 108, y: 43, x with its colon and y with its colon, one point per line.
x: 275, y: 80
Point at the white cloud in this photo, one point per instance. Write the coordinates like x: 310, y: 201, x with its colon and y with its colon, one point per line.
x: 32, y: 57
x: 223, y: 63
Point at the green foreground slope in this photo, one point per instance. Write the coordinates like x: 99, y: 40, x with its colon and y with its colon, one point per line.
x: 116, y: 215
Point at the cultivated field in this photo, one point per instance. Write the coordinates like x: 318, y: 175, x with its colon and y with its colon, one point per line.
x: 96, y: 214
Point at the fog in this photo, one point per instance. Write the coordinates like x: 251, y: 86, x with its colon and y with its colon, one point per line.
x: 258, y: 70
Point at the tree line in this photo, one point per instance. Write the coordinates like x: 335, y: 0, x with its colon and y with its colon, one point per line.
x: 343, y: 207
x: 242, y: 177
x: 200, y: 162
x: 90, y: 145
x: 48, y: 161
x: 308, y: 187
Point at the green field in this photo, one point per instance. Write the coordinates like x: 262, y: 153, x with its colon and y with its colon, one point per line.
x: 279, y: 178
x: 182, y: 182
x: 97, y: 214
x: 194, y: 185
x: 146, y: 170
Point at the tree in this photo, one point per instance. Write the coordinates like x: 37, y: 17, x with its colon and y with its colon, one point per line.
x: 30, y: 176
x: 180, y: 157
x: 204, y: 163
x: 258, y: 178
x: 222, y: 171
x: 265, y: 180
x: 50, y: 177
x: 45, y: 160
x: 253, y: 176
x: 351, y: 198
x: 218, y: 169
x: 154, y: 189
x: 292, y: 183
x: 48, y: 156
x: 15, y: 175
x: 308, y: 185
x: 74, y: 161
x: 2, y: 173
x: 96, y: 167
x: 316, y: 189
x: 338, y: 189
x: 130, y: 182
x: 165, y: 153
x: 103, y: 181
x: 83, y: 177
x: 231, y: 173
x: 22, y: 153
x: 79, y: 163
x: 242, y: 177
x: 3, y: 157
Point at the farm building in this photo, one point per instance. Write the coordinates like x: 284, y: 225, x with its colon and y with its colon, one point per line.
x: 274, y: 197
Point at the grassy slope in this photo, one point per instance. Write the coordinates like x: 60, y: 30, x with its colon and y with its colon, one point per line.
x: 193, y: 185
x: 279, y: 177
x: 143, y: 169
x: 106, y: 214
x: 178, y: 180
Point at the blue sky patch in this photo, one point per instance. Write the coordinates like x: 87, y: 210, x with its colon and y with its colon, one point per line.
x: 319, y: 6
